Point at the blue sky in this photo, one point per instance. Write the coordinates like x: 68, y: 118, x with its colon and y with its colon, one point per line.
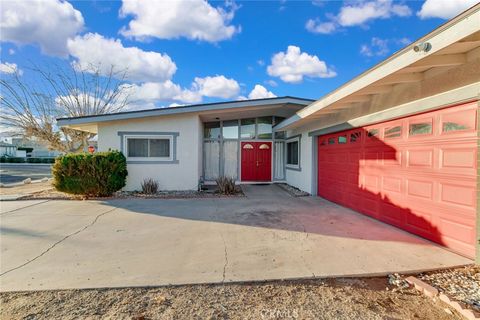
x: 183, y: 52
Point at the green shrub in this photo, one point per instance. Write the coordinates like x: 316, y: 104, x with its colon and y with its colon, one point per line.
x: 96, y: 175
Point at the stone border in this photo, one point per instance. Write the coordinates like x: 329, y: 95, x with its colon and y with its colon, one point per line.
x: 433, y: 293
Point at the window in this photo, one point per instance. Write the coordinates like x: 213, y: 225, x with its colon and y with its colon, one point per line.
x: 355, y: 136
x: 211, y: 130
x: 230, y: 129
x: 280, y: 135
x: 264, y: 128
x: 454, y: 126
x: 458, y: 121
x: 146, y: 147
x: 331, y: 140
x: 393, y: 132
x: 342, y: 139
x: 372, y: 133
x: 293, y: 153
x: 420, y: 128
x: 247, y: 130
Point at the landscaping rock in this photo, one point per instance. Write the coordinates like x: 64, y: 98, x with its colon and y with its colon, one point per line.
x: 27, y: 181
x: 461, y: 284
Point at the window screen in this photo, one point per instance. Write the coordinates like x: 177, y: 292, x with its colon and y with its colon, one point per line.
x: 159, y: 148
x: 148, y: 148
x: 393, y: 132
x: 137, y: 147
x: 292, y: 153
x: 420, y: 128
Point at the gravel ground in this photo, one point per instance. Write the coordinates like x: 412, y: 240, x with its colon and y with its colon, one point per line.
x: 52, y: 194
x: 347, y: 298
x: 461, y: 284
x: 295, y: 192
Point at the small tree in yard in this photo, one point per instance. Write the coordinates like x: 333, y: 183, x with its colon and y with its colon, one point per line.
x: 33, y: 106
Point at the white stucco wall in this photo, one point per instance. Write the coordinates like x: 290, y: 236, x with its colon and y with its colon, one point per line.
x: 183, y: 175
x: 302, y: 179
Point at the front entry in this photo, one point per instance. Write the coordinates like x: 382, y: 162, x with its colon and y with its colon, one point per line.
x: 256, y: 161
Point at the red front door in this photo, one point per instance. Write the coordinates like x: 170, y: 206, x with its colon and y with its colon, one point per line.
x: 256, y: 161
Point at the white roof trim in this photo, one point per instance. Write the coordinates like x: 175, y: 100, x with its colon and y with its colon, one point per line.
x: 182, y: 109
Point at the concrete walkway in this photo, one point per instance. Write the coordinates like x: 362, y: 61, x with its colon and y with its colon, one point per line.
x: 135, y: 242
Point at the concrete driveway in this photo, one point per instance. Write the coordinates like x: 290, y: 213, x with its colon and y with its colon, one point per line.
x: 266, y: 235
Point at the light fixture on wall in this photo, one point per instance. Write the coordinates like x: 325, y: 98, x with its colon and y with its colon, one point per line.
x: 423, y: 46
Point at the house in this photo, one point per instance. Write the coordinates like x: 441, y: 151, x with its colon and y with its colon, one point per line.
x: 7, y: 149
x: 398, y: 143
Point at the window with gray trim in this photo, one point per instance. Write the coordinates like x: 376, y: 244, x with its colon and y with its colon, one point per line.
x: 148, y: 147
x: 293, y: 152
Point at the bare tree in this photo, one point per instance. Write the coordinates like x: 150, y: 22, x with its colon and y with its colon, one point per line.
x: 32, y: 106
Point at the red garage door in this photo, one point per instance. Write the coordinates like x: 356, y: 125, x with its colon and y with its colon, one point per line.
x: 417, y: 173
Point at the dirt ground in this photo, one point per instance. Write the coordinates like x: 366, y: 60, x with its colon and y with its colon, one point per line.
x: 365, y: 298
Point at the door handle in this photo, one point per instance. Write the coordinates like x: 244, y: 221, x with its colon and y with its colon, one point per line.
x: 257, y: 163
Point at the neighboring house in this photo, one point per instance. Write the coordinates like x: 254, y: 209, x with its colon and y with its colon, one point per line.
x: 398, y: 143
x: 39, y: 149
x: 7, y: 149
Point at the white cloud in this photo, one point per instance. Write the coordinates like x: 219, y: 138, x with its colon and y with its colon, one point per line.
x: 193, y: 19
x: 316, y: 26
x: 46, y: 23
x: 11, y: 51
x: 261, y: 62
x: 377, y: 47
x: 293, y: 65
x: 444, y: 9
x: 260, y: 92
x: 358, y: 13
x: 94, y: 49
x: 150, y: 93
x: 10, y: 68
x: 217, y: 86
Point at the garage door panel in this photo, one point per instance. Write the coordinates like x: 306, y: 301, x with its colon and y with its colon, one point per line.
x: 457, y: 231
x: 393, y: 214
x: 420, y: 158
x: 456, y: 194
x: 418, y: 173
x: 420, y: 189
x: 421, y: 222
x: 392, y: 158
x: 392, y: 185
x: 458, y: 160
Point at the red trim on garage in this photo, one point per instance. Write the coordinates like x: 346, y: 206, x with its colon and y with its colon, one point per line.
x: 417, y: 173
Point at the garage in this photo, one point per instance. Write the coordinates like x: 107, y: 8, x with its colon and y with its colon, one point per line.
x: 417, y: 173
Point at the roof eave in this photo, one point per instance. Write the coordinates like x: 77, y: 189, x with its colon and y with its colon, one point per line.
x: 65, y: 122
